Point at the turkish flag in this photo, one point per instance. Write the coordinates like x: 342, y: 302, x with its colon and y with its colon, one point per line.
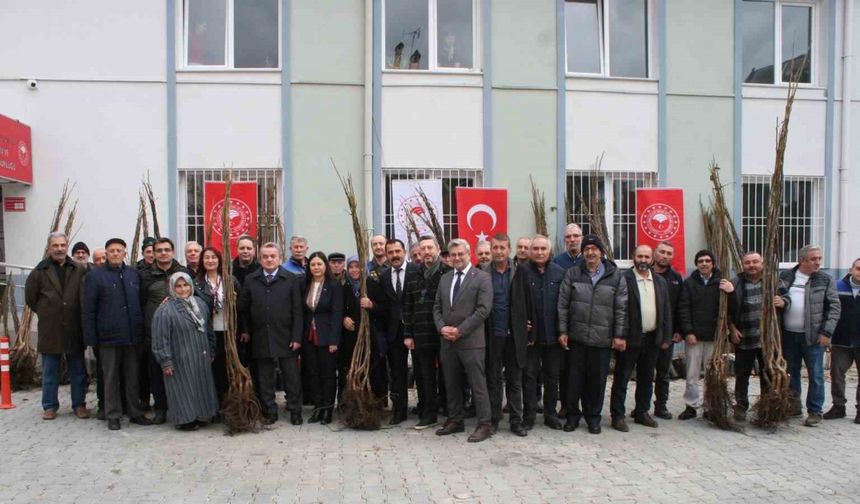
x: 243, y: 212
x: 660, y: 217
x: 481, y: 214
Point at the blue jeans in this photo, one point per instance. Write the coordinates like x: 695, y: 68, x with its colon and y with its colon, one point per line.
x: 51, y: 380
x: 796, y: 352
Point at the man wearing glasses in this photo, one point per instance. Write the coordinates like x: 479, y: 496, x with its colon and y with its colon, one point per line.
x: 154, y: 290
x: 698, y: 311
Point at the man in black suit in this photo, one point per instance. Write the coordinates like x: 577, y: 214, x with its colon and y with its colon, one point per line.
x: 392, y: 283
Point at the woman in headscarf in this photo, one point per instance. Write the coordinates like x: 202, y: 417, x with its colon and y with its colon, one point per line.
x: 351, y: 320
x: 323, y: 321
x: 184, y: 345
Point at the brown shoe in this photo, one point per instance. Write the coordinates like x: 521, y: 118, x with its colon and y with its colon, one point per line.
x: 450, y: 428
x: 82, y: 412
x: 620, y: 425
x: 482, y: 432
x: 645, y: 419
x: 49, y: 414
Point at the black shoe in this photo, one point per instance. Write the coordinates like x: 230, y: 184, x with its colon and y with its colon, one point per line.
x: 687, y: 414
x: 141, y: 420
x: 316, y: 416
x: 644, y: 419
x: 113, y: 424
x: 159, y: 418
x: 835, y: 412
x: 325, y: 418
x: 594, y: 429
x: 190, y: 426
x: 528, y: 424
x: 857, y: 418
x: 552, y: 422
x: 295, y: 418
x: 662, y: 412
x: 397, y: 418
x: 571, y: 424
x: 269, y: 419
x: 618, y: 424
x: 519, y: 430
x: 449, y: 428
x: 426, y: 423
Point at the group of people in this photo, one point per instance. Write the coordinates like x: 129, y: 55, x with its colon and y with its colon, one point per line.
x: 521, y: 331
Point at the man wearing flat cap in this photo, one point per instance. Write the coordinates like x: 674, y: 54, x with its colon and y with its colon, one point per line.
x: 592, y: 321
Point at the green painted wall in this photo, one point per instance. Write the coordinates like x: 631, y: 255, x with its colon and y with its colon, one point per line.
x: 524, y: 144
x: 523, y: 41
x: 327, y: 41
x: 700, y: 62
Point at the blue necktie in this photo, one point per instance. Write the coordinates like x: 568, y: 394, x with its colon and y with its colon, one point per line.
x: 457, y: 286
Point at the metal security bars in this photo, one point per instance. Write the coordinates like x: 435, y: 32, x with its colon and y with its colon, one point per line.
x: 451, y: 180
x: 617, y: 192
x: 191, y: 198
x: 801, y: 220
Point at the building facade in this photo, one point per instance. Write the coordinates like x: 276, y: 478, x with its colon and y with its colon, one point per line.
x: 474, y: 92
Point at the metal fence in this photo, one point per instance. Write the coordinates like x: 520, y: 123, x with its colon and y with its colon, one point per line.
x: 18, y: 274
x: 617, y: 193
x: 801, y: 220
x: 191, y: 198
x: 451, y: 180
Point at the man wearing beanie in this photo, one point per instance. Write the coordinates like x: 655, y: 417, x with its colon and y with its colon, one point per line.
x: 81, y: 255
x: 697, y: 313
x: 146, y: 249
x: 592, y: 321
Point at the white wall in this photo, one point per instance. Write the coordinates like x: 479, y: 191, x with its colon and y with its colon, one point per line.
x: 622, y: 125
x: 424, y: 127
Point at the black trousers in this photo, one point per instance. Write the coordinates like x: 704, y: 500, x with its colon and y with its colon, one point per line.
x: 744, y: 364
x: 156, y: 383
x: 427, y: 361
x: 505, y: 373
x: 143, y: 381
x: 543, y: 362
x: 119, y: 364
x: 219, y: 365
x: 397, y: 358
x: 267, y: 379
x: 344, y: 361
x: 322, y: 369
x: 589, y: 367
x: 644, y: 359
x: 100, y: 380
x: 663, y: 376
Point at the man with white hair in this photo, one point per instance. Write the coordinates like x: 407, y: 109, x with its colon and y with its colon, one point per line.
x: 572, y: 243
x: 298, y: 250
x: 192, y: 256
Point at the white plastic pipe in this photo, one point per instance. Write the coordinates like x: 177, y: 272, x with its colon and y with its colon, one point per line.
x: 368, y: 113
x: 845, y: 131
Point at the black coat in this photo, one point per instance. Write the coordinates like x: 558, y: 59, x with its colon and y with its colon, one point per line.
x: 847, y: 333
x: 111, y: 307
x: 154, y: 288
x: 242, y: 272
x: 675, y: 282
x: 388, y: 306
x: 418, y: 300
x: 328, y: 314
x: 634, y: 311
x: 271, y: 313
x: 700, y: 305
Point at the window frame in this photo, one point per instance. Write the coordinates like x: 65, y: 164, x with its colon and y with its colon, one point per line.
x: 813, y: 5
x: 432, y: 43
x: 604, y: 31
x: 229, y: 43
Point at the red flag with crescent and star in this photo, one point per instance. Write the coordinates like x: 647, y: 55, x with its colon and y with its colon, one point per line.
x: 243, y: 212
x: 660, y: 217
x: 481, y: 213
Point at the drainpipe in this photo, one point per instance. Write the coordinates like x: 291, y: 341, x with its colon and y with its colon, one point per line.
x: 368, y: 114
x: 845, y: 131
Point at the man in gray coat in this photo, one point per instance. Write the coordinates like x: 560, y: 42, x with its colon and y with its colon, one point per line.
x: 463, y: 302
x: 592, y: 321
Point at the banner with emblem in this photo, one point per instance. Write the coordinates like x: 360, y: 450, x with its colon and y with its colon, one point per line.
x: 16, y: 151
x: 408, y: 207
x: 243, y: 212
x: 660, y: 217
x: 481, y: 213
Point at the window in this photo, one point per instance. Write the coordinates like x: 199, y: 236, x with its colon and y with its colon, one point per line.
x: 801, y: 220
x: 451, y: 180
x: 430, y: 34
x: 268, y: 200
x: 777, y: 31
x: 232, y: 34
x: 617, y: 192
x: 607, y: 37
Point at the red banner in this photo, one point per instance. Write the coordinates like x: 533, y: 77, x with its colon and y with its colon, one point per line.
x: 660, y: 217
x: 481, y: 213
x: 16, y: 151
x: 243, y: 212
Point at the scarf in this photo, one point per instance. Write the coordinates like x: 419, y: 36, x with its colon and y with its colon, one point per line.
x: 188, y: 304
x: 355, y: 284
x: 217, y: 293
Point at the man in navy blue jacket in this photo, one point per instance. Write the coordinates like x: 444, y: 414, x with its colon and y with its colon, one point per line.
x: 845, y: 349
x: 113, y: 322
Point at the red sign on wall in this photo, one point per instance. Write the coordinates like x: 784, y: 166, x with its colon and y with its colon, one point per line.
x: 14, y: 204
x: 16, y: 151
x: 660, y: 217
x: 481, y: 214
x: 243, y: 212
